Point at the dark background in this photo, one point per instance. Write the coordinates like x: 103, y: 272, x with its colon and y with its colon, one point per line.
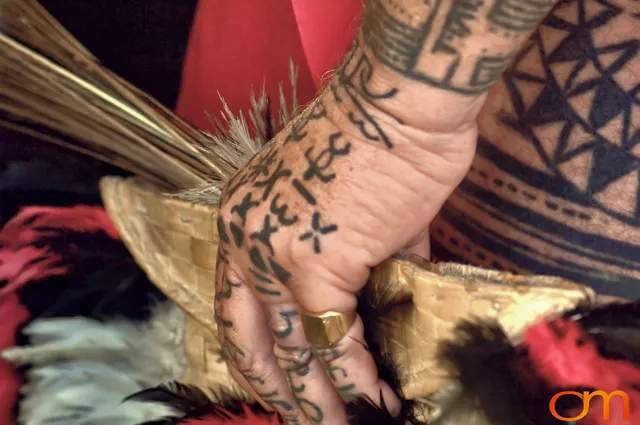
x: 143, y: 41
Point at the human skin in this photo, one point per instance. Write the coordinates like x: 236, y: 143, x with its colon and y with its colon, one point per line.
x: 554, y: 185
x: 360, y: 175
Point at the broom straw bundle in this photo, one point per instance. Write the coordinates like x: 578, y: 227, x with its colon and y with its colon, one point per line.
x: 52, y: 88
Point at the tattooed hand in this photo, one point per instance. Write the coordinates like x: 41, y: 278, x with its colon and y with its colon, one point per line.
x: 357, y: 177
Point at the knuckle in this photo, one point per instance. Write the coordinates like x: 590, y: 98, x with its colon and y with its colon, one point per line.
x: 294, y: 359
x: 244, y: 361
x: 331, y: 354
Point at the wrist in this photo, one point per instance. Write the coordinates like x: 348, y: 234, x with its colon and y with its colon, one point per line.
x: 364, y: 87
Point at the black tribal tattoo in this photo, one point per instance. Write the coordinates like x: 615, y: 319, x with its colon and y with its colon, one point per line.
x: 229, y: 285
x: 272, y: 399
x: 264, y: 235
x: 299, y: 128
x: 352, y: 85
x: 572, y: 104
x: 316, y: 231
x: 242, y: 209
x: 280, y: 211
x: 312, y: 410
x: 301, y: 364
x: 269, y: 182
x: 286, y: 316
x: 324, y: 159
x: 410, y: 46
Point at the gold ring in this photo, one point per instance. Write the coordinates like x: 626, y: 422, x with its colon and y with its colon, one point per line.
x: 328, y: 328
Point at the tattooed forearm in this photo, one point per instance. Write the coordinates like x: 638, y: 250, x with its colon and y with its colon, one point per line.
x: 429, y: 43
x: 518, y: 16
x: 457, y: 25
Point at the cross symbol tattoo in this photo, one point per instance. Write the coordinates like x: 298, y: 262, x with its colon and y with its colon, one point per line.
x: 316, y: 231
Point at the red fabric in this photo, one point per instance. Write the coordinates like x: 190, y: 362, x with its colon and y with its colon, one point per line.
x: 239, y: 45
x: 327, y: 29
x: 564, y: 356
x: 22, y: 260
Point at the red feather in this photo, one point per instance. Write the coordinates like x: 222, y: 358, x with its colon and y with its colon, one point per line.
x: 23, y: 260
x: 565, y: 356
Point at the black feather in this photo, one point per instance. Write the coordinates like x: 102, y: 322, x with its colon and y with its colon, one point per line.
x: 189, y: 400
x: 490, y: 370
x: 615, y: 327
x: 494, y: 377
x: 364, y: 412
x: 192, y: 403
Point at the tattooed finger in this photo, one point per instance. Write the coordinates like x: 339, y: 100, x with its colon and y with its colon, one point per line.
x: 353, y: 372
x: 244, y: 383
x: 311, y: 388
x: 247, y: 345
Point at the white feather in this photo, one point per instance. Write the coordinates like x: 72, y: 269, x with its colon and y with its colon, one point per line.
x: 83, y: 369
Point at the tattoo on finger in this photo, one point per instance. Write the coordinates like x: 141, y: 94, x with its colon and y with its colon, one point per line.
x: 312, y: 410
x: 273, y: 399
x: 338, y: 374
x: 217, y: 312
x: 233, y: 353
x: 286, y: 316
x: 296, y: 361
